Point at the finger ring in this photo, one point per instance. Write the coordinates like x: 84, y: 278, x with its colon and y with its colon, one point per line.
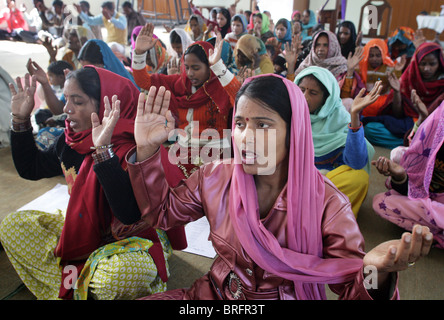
x: 410, y: 264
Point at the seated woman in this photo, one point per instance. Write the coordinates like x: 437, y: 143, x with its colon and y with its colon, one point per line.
x: 250, y: 52
x: 97, y: 53
x: 347, y: 37
x: 416, y: 185
x: 326, y: 53
x: 227, y: 55
x: 396, y: 114
x: 239, y: 25
x: 270, y: 245
x: 400, y: 43
x: 157, y: 58
x: 384, y: 121
x: 102, y: 216
x: 203, y: 98
x: 282, y: 35
x: 196, y: 27
x: 308, y: 22
x: 342, y: 153
x: 425, y: 75
x: 179, y: 42
x: 223, y: 21
x: 262, y: 27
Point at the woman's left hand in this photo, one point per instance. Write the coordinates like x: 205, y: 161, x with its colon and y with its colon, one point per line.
x: 398, y: 255
x: 215, y: 55
x: 102, y: 132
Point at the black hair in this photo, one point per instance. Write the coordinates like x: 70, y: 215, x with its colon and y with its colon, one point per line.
x: 237, y: 18
x: 175, y: 38
x: 57, y: 3
x: 283, y: 22
x: 259, y: 15
x: 85, y: 3
x: 90, y: 51
x: 350, y: 46
x: 199, y: 52
x: 127, y: 4
x: 89, y: 81
x: 325, y: 93
x: 272, y: 93
x: 57, y: 67
x: 109, y: 5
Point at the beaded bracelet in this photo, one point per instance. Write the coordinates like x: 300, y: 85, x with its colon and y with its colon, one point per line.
x: 106, y: 146
x: 21, y: 126
x: 102, y: 156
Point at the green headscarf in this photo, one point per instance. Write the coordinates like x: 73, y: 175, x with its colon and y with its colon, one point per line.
x: 330, y: 124
x: 265, y: 23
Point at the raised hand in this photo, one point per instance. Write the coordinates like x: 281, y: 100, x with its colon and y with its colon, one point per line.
x: 22, y: 101
x: 401, y: 64
x: 154, y: 122
x: 359, y: 39
x: 420, y: 106
x: 354, y: 59
x: 172, y: 67
x: 35, y: 70
x: 145, y: 40
x: 361, y: 102
x: 419, y: 38
x: 102, y: 132
x: 215, y: 55
x: 52, y: 50
x: 244, y: 73
x: 394, y: 82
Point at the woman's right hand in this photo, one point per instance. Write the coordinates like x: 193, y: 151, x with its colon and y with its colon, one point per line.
x: 388, y: 167
x: 145, y: 40
x: 153, y: 123
x: 22, y: 101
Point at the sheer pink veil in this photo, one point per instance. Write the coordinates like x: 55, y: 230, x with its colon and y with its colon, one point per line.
x: 419, y: 159
x: 301, y: 261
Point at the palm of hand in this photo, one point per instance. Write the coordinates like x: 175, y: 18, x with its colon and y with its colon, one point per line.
x: 100, y: 134
x: 150, y: 129
x: 22, y: 102
x: 377, y: 256
x: 144, y: 43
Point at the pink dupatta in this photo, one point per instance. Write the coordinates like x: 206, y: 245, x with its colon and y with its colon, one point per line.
x: 419, y: 159
x: 302, y: 260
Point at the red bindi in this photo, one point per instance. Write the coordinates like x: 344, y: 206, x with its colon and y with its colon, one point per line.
x: 247, y: 119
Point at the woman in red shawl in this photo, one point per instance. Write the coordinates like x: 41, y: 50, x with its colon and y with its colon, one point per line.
x: 425, y: 74
x: 99, y: 212
x: 202, y: 99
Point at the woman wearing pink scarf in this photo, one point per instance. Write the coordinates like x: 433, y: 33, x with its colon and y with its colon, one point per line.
x: 417, y: 184
x: 269, y: 245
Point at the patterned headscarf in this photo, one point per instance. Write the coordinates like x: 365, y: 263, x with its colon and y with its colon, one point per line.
x: 335, y: 61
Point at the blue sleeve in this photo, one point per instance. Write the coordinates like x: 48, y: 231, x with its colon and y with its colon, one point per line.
x: 355, y: 153
x: 119, y: 23
x: 92, y: 21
